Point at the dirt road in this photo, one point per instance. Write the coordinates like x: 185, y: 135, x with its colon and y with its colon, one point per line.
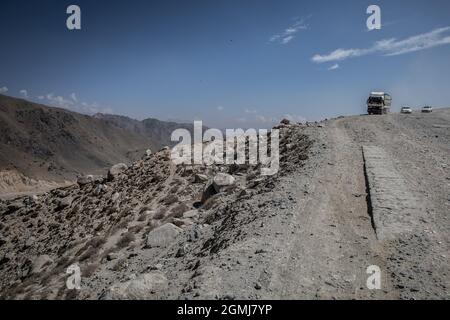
x: 317, y: 235
x: 336, y: 240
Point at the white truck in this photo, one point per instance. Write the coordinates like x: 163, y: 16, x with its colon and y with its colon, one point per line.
x: 379, y: 103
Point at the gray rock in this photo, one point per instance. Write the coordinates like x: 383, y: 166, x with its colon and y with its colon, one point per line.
x: 148, y: 153
x: 116, y: 170
x: 115, y: 197
x: 145, y: 287
x: 100, y: 189
x: 163, y: 235
x: 84, y: 180
x: 222, y: 180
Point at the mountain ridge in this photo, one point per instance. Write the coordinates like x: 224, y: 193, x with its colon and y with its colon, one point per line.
x: 55, y: 144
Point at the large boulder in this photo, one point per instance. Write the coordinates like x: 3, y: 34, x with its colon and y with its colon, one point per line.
x: 84, y: 180
x: 163, y: 236
x: 223, y: 180
x: 116, y: 170
x: 146, y: 287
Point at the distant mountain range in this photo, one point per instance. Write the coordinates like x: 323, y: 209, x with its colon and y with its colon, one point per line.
x: 156, y: 130
x: 57, y: 144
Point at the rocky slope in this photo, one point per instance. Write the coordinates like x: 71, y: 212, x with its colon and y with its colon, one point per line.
x: 55, y: 144
x: 142, y: 231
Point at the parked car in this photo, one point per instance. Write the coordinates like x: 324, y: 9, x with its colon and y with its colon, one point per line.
x: 427, y: 109
x: 406, y: 110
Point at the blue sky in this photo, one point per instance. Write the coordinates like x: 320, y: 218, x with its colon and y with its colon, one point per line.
x: 229, y: 63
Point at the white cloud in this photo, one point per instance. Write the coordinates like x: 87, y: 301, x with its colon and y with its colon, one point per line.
x: 391, y: 47
x: 3, y: 90
x: 251, y: 111
x: 289, y: 33
x: 287, y: 39
x: 72, y: 102
x: 59, y: 101
x: 220, y: 108
x: 334, y: 67
x: 24, y: 93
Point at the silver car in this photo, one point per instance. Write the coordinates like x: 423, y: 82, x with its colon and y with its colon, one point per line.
x: 427, y: 109
x: 407, y: 110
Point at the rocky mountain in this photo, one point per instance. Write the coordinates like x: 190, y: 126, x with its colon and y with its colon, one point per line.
x: 156, y: 130
x: 55, y: 145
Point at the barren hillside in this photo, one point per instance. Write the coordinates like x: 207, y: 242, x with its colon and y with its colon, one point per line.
x: 41, y: 146
x: 156, y: 130
x: 52, y: 143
